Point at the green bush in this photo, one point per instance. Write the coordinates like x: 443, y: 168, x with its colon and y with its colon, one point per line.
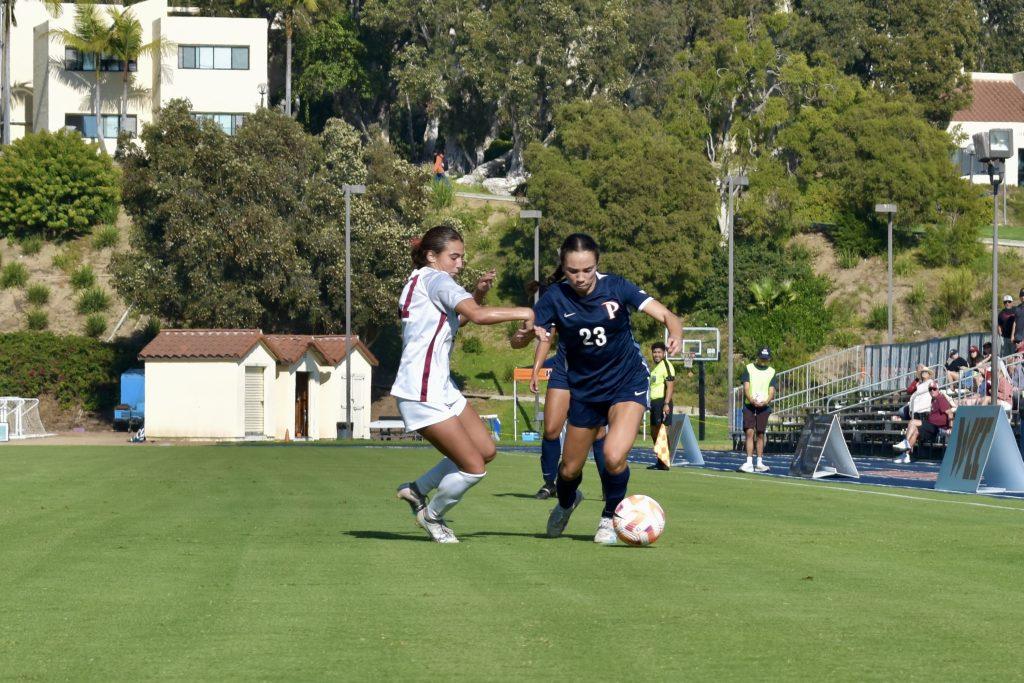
x: 83, y: 278
x: 105, y: 236
x: 847, y: 258
x: 38, y: 294
x: 67, y: 258
x: 31, y: 246
x: 14, y: 274
x: 95, y: 325
x: 955, y: 244
x: 863, y: 238
x: 915, y: 297
x: 76, y: 371
x: 92, y: 300
x: 36, y: 319
x: 955, y: 293
x: 55, y: 185
x: 904, y: 264
x: 472, y: 345
x: 442, y: 194
x: 878, y: 317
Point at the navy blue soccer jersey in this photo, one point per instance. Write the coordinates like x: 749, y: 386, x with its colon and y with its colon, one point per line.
x: 600, y: 352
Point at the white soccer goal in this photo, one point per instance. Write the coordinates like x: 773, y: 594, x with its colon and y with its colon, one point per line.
x: 21, y: 415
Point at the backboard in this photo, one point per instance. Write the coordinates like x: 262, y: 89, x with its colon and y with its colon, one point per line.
x: 700, y: 344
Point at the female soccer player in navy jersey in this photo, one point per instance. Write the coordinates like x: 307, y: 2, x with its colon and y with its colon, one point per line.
x: 432, y: 306
x: 607, y: 374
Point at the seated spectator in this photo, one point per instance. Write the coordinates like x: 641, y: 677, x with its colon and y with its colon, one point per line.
x: 940, y: 418
x: 1006, y: 388
x: 986, y: 352
x: 920, y: 402
x: 954, y: 366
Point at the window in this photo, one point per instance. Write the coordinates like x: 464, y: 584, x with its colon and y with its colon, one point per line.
x: 967, y: 163
x: 86, y: 124
x: 221, y: 57
x: 229, y: 123
x: 79, y: 61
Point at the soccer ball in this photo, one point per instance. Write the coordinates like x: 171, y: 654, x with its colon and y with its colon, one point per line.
x: 639, y: 520
x: 759, y: 398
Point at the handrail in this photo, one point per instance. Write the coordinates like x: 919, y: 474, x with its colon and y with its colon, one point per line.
x: 867, y: 387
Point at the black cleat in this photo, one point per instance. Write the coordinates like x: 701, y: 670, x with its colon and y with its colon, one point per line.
x: 545, y: 492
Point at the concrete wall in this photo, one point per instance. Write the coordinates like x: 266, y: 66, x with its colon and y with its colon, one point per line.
x: 205, y: 399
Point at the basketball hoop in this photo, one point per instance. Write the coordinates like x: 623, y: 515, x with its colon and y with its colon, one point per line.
x: 688, y: 359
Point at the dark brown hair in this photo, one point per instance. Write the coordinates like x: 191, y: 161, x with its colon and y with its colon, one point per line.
x: 435, y: 240
x: 577, y: 241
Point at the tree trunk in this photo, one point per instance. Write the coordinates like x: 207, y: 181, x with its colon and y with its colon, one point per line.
x: 123, y: 122
x: 515, y: 162
x: 412, y: 136
x: 96, y: 106
x: 5, y: 74
x: 288, y: 66
x: 430, y: 136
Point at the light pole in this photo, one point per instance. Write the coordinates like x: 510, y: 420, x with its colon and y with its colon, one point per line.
x: 536, y: 215
x: 349, y: 191
x: 890, y: 211
x: 734, y: 183
x: 993, y: 148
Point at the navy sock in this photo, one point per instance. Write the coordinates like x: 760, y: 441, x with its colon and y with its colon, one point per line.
x: 566, y: 489
x: 550, y: 454
x: 614, y: 486
x: 599, y: 456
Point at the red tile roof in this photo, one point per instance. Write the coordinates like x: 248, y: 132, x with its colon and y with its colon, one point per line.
x: 994, y: 100
x: 236, y: 344
x: 202, y: 344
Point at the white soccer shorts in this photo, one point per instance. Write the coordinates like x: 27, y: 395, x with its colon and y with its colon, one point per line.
x: 420, y: 414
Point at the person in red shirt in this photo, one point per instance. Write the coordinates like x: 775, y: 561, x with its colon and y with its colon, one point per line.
x: 939, y: 417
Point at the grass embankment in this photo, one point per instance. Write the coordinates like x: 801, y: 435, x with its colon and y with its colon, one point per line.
x: 296, y: 563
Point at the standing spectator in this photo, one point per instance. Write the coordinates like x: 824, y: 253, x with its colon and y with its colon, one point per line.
x: 940, y: 416
x: 1007, y: 321
x: 1018, y: 330
x: 759, y: 386
x: 439, y: 167
x: 663, y: 378
x: 954, y: 366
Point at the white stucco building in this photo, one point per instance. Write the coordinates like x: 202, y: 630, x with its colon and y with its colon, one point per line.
x: 998, y: 103
x: 243, y: 384
x: 219, y: 64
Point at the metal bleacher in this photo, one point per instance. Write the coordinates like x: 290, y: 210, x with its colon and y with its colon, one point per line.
x: 865, y: 386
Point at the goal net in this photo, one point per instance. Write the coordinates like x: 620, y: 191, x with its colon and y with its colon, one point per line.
x: 21, y: 415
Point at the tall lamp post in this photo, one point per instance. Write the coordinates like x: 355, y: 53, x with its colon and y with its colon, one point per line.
x: 535, y: 214
x: 890, y: 211
x: 993, y: 149
x: 734, y: 183
x: 349, y: 191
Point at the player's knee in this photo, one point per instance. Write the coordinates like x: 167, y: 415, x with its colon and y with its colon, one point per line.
x: 566, y: 471
x: 489, y: 452
x: 553, y: 432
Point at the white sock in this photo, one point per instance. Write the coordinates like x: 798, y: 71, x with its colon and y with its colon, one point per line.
x: 430, y: 479
x: 450, y: 492
x: 750, y: 460
x: 759, y: 463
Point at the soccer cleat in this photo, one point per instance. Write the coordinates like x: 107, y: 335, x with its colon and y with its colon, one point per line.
x: 435, y: 528
x: 545, y: 491
x: 761, y: 467
x: 746, y: 467
x: 411, y: 495
x: 559, y: 516
x: 605, y: 532
x: 901, y: 446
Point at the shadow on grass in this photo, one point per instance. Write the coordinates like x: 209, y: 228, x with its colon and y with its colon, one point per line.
x: 514, y: 495
x: 392, y: 536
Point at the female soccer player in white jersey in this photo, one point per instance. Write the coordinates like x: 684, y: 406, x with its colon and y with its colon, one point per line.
x: 607, y: 374
x: 432, y: 306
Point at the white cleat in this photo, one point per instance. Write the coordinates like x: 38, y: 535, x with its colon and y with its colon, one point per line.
x: 605, y: 532
x: 746, y: 467
x: 435, y: 528
x: 762, y: 468
x: 559, y: 516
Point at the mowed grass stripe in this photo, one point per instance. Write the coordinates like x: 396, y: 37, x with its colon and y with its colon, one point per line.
x: 297, y: 563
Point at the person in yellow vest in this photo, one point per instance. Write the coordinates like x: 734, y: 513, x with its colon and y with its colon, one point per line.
x: 663, y: 377
x: 759, y: 386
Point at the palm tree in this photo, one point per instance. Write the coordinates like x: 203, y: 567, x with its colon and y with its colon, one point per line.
x: 90, y: 36
x: 291, y: 13
x: 8, y: 20
x: 769, y: 294
x: 126, y: 44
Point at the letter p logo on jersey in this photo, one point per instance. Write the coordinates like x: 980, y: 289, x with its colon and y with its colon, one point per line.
x: 611, y: 307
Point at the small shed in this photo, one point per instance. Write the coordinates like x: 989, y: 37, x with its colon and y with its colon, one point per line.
x: 243, y: 384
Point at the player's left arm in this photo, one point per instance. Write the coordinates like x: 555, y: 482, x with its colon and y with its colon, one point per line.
x: 670, y: 320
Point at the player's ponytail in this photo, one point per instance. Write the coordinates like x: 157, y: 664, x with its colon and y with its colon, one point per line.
x: 435, y: 240
x: 557, y: 275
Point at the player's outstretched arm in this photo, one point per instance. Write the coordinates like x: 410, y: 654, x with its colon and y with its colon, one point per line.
x: 670, y: 320
x: 470, y: 310
x: 522, y: 337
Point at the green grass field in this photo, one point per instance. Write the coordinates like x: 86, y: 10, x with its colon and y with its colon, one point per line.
x: 295, y: 563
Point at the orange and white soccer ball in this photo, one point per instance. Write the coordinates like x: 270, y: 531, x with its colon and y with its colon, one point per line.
x: 639, y: 520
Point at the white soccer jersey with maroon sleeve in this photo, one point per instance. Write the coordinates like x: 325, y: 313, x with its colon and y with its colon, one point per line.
x: 429, y: 323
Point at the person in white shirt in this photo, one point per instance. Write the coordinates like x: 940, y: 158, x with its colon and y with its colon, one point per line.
x: 432, y: 306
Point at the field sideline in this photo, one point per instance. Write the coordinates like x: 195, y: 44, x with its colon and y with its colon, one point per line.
x: 295, y: 562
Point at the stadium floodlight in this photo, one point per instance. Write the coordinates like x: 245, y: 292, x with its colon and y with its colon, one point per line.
x: 734, y: 183
x: 349, y: 190
x: 890, y: 211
